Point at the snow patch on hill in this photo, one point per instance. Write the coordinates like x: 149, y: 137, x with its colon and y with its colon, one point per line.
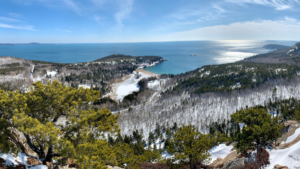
x: 289, y: 157
x: 20, y: 159
x: 292, y: 137
x: 220, y: 151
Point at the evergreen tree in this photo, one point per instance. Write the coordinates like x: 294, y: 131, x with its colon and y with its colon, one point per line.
x: 189, y: 143
x: 258, y: 128
x: 36, y: 114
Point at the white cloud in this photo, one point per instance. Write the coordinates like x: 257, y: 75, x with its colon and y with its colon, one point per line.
x: 72, y: 5
x: 63, y: 30
x: 126, y: 6
x: 277, y: 4
x: 6, y: 19
x: 25, y: 27
x: 218, y: 8
x: 282, y: 29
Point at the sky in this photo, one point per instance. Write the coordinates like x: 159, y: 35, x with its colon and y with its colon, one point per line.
x: 110, y: 21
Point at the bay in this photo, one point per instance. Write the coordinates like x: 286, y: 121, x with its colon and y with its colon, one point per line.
x: 178, y: 53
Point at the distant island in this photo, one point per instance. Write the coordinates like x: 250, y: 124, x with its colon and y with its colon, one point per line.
x: 276, y: 47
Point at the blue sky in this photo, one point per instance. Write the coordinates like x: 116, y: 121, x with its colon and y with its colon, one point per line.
x: 97, y: 21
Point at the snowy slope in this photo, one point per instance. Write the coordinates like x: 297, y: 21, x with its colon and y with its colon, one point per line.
x: 292, y: 137
x: 202, y: 110
x: 129, y: 85
x: 20, y: 159
x: 220, y: 151
x: 289, y: 157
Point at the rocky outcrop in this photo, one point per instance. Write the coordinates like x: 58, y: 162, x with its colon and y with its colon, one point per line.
x: 240, y: 162
x: 277, y: 166
x: 219, y: 162
x: 33, y: 161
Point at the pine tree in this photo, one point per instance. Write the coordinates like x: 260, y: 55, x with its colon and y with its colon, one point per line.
x: 36, y: 114
x: 189, y: 143
x: 258, y: 128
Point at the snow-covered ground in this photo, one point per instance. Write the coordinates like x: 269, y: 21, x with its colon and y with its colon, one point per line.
x: 289, y: 157
x: 220, y: 151
x: 52, y: 73
x: 153, y: 84
x: 292, y: 137
x: 129, y: 85
x: 20, y: 159
x: 84, y: 86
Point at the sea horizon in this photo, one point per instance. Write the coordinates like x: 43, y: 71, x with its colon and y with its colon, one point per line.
x: 182, y: 56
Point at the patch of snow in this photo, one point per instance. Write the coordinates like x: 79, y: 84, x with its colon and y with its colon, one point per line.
x: 153, y: 84
x: 84, y: 86
x: 9, y: 159
x: 52, y: 73
x: 129, y: 85
x: 20, y: 159
x: 279, y: 69
x: 220, y: 151
x: 292, y: 137
x: 238, y: 85
x: 289, y: 157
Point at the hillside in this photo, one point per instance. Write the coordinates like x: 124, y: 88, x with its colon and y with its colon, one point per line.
x: 212, y: 93
x: 100, y: 74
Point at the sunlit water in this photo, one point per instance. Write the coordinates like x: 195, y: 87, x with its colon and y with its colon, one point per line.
x: 177, y: 53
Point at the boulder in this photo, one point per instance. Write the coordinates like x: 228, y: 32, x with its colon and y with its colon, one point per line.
x: 240, y: 162
x: 277, y: 166
x: 33, y: 161
x: 217, y: 163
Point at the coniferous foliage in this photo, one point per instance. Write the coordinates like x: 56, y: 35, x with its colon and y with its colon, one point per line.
x: 258, y: 128
x: 36, y: 114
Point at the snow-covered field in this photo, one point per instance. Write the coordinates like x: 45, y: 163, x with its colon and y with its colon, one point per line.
x: 129, y: 85
x: 289, y: 157
x: 20, y: 159
x: 292, y: 137
x: 220, y: 151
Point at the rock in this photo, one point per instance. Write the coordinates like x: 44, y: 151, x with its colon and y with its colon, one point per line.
x: 277, y: 166
x: 113, y: 167
x: 33, y: 161
x: 217, y: 163
x: 236, y: 163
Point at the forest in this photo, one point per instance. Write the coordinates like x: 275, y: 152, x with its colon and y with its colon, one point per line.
x: 84, y: 136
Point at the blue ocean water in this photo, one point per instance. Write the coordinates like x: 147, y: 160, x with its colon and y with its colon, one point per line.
x: 177, y: 53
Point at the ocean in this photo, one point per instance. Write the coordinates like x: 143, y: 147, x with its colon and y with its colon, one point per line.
x: 178, y: 53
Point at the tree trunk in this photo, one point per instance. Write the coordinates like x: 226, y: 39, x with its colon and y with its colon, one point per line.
x: 191, y: 161
x: 49, y: 155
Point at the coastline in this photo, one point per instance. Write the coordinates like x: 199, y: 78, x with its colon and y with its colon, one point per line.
x: 146, y: 72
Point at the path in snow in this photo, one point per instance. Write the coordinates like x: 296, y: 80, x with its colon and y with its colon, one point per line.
x: 292, y: 137
x: 289, y: 157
